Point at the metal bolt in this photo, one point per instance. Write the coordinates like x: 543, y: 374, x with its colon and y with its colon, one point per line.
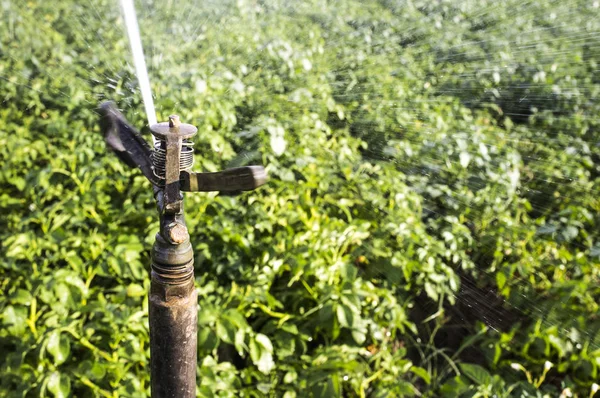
x: 178, y: 233
x: 174, y: 121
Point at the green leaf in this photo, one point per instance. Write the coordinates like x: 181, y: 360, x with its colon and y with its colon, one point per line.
x: 135, y: 290
x: 465, y: 159
x: 359, y: 335
x: 236, y: 318
x: 207, y: 340
x: 344, y: 315
x: 226, y: 330
x: 261, y: 349
x: 93, y: 370
x: 326, y: 389
x: 264, y: 342
x: 547, y: 229
x: 290, y: 377
x: 59, y: 385
x: 454, y: 387
x: 431, y: 292
x: 59, y: 346
x: 569, y: 233
x: 348, y: 271
x: 422, y: 373
x: 14, y: 319
x: 21, y: 296
x: 500, y: 279
x: 265, y: 363
x: 476, y: 373
x: 595, y: 251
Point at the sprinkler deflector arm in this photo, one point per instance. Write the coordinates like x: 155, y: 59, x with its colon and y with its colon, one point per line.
x: 133, y: 150
x: 173, y: 300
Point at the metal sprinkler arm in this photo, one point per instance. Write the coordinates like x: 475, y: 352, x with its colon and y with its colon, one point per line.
x: 127, y: 143
x: 235, y: 179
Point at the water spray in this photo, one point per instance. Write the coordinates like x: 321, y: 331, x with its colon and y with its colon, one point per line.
x: 173, y: 300
x: 133, y: 32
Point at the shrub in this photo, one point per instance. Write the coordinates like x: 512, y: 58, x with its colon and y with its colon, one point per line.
x: 430, y: 227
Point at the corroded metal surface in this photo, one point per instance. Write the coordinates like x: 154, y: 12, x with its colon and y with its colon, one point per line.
x: 173, y: 312
x: 178, y: 233
x: 164, y: 129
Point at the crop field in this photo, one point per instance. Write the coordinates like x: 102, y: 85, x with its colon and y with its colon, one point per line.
x: 431, y: 227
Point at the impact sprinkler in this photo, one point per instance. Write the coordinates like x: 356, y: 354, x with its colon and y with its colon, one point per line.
x: 173, y: 300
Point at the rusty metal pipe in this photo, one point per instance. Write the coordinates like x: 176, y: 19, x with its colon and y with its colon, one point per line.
x: 173, y: 311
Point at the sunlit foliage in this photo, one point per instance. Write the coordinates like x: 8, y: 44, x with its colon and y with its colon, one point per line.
x: 431, y: 227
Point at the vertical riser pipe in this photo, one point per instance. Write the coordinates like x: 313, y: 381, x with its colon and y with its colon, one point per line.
x: 173, y: 317
x: 173, y: 345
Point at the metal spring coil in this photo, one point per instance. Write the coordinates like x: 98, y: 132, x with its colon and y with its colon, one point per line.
x: 159, y: 157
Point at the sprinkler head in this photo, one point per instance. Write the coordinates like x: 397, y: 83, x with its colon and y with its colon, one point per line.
x: 168, y: 165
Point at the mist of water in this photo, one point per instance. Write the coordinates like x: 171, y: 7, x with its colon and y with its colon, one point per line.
x: 141, y: 71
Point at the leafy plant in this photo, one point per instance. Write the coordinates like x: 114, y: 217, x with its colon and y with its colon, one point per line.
x: 430, y: 227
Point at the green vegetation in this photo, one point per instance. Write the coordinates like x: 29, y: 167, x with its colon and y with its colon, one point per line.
x: 431, y: 227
